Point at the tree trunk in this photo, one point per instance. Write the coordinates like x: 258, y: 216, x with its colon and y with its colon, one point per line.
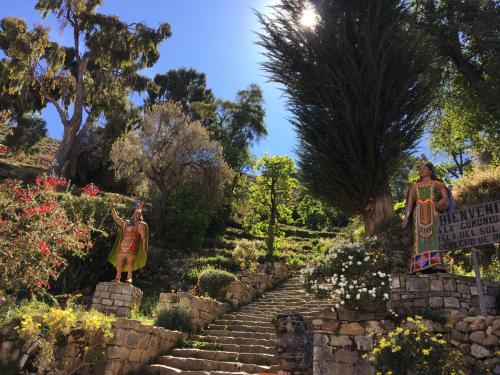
x: 379, y: 210
x: 63, y: 152
x: 272, y: 223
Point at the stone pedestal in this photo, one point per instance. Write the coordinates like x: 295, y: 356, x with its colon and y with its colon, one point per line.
x: 118, y: 299
x: 294, y: 347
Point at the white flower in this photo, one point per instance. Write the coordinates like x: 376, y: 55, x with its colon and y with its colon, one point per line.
x: 348, y: 296
x: 382, y: 283
x: 386, y: 296
x: 358, y: 296
x: 342, y: 302
x: 358, y: 263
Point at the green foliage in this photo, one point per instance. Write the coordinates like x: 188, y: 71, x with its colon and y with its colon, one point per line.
x: 44, y: 325
x: 37, y: 235
x: 356, y: 275
x: 98, y: 72
x: 315, y: 215
x: 270, y: 197
x: 212, y: 281
x: 411, y: 348
x: 186, y: 221
x: 360, y: 84
x: 28, y: 131
x: 177, y: 319
x: 465, y: 34
x: 464, y: 130
x: 227, y: 263
x: 86, y: 272
x: 477, y: 187
x: 246, y: 254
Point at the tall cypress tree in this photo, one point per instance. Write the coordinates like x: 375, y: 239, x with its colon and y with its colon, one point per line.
x: 359, y: 85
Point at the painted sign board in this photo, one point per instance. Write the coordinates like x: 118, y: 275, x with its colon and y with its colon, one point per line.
x: 470, y: 227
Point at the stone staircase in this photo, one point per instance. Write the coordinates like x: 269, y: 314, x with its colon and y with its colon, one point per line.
x: 240, y: 342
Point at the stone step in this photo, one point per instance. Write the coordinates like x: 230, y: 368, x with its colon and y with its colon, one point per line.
x: 240, y: 348
x: 198, y: 364
x: 167, y: 370
x: 247, y: 317
x: 243, y: 328
x: 258, y: 335
x: 243, y: 322
x: 235, y: 340
x: 220, y: 355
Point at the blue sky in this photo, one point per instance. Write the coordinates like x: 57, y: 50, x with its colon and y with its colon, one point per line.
x: 216, y: 37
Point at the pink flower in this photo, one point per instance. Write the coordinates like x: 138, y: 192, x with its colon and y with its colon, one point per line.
x: 91, y: 190
x: 44, y: 249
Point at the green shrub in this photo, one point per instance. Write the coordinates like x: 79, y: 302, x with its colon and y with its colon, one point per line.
x: 186, y: 221
x: 354, y: 274
x: 176, y: 319
x: 412, y: 349
x: 210, y: 282
x: 221, y: 262
x: 246, y: 254
x: 477, y: 187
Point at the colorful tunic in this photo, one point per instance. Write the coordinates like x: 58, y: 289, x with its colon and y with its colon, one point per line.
x: 140, y: 259
x: 425, y: 252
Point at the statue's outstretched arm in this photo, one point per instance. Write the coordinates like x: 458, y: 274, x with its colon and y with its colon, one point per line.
x: 118, y: 220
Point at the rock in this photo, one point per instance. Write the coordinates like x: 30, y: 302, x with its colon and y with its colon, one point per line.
x: 364, y: 343
x: 455, y: 316
x: 464, y: 348
x: 436, y: 302
x: 373, y: 326
x: 352, y: 329
x: 436, y: 285
x: 478, y: 324
x: 417, y: 284
x: 340, y: 341
x: 346, y: 357
x: 451, y: 302
x: 479, y: 351
x: 456, y: 335
x: 491, y: 340
x: 477, y: 337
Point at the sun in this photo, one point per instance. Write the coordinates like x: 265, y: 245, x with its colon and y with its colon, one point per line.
x: 309, y: 17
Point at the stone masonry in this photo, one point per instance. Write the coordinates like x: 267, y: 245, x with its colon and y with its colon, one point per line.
x: 443, y: 292
x: 201, y: 310
x: 114, y: 298
x: 133, y: 345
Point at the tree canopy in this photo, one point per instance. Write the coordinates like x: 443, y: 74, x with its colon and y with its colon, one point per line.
x: 88, y: 79
x: 359, y: 84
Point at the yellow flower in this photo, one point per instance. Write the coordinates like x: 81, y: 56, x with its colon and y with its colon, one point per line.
x: 395, y: 348
x: 399, y: 330
x: 426, y: 351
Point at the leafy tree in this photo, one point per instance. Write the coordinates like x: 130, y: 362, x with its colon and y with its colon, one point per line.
x: 466, y: 34
x: 270, y: 197
x: 28, y: 131
x: 464, y: 129
x: 185, y: 86
x: 316, y: 215
x: 172, y: 153
x: 93, y: 76
x: 359, y: 85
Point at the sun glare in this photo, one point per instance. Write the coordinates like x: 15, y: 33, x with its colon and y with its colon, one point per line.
x: 309, y: 17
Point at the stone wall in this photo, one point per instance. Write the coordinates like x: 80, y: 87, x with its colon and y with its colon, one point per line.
x: 442, y: 291
x: 261, y: 281
x: 341, y: 339
x: 239, y: 293
x: 478, y: 339
x: 132, y: 346
x: 202, y: 310
x: 115, y: 298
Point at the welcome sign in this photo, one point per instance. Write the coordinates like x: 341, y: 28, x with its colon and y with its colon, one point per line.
x: 470, y: 227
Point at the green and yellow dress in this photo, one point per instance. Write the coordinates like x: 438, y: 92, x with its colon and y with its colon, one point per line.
x: 425, y: 254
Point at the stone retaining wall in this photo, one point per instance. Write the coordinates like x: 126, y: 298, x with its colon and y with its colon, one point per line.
x: 132, y: 346
x: 114, y: 298
x: 259, y: 280
x: 239, y: 293
x: 442, y: 291
x: 341, y: 339
x: 202, y: 310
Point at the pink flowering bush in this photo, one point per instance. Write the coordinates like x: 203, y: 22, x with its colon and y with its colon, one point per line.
x: 37, y: 235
